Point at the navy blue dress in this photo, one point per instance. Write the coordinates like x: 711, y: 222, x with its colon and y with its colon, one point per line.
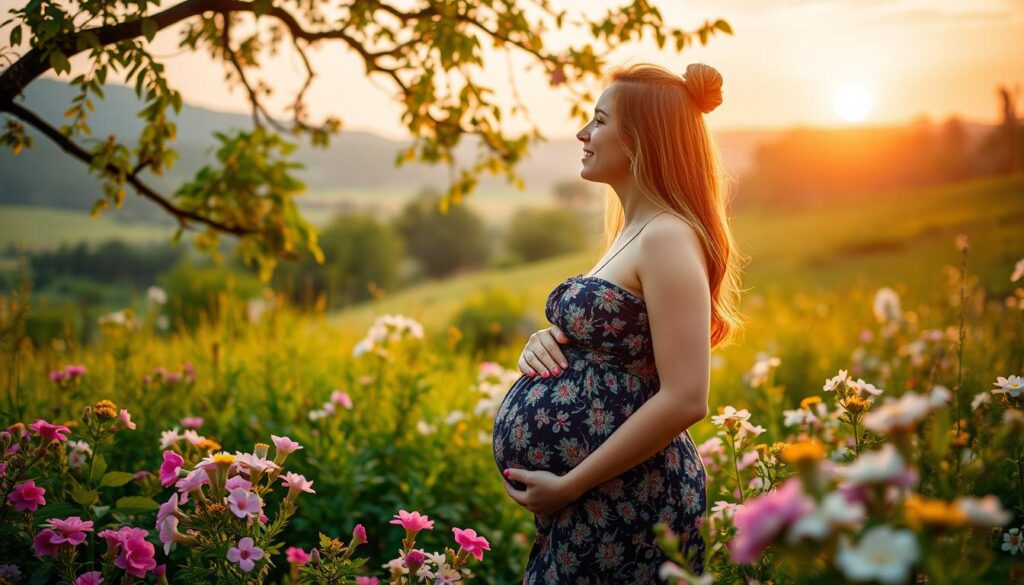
x: 606, y: 536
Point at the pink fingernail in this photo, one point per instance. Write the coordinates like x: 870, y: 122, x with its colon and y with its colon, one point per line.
x: 556, y: 371
x: 545, y: 374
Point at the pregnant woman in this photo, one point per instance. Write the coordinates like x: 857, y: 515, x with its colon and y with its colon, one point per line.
x: 593, y: 437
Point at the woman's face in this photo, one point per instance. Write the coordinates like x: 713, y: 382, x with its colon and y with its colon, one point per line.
x: 604, y: 159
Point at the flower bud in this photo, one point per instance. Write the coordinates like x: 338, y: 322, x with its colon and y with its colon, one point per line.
x: 261, y: 450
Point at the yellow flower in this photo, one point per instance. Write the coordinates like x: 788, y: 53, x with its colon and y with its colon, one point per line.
x: 105, y: 409
x: 807, y: 402
x: 208, y: 445
x: 803, y: 451
x: 936, y: 513
x: 855, y: 404
x: 224, y: 458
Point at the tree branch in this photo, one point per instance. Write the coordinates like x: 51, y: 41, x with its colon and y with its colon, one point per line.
x: 183, y: 216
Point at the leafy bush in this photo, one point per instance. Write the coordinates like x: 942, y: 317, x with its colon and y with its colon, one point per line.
x: 535, y: 234
x: 443, y: 243
x: 491, y: 319
x: 197, y: 292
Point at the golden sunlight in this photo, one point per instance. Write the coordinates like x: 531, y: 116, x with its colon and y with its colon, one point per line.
x: 853, y: 102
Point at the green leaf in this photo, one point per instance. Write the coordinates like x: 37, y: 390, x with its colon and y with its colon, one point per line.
x: 149, y: 28
x: 136, y: 504
x: 723, y: 26
x: 16, y: 36
x: 83, y: 496
x: 41, y: 576
x: 59, y: 62
x: 54, y: 510
x: 116, y: 478
x: 99, y: 467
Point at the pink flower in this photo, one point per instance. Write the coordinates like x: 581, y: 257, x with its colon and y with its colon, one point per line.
x: 90, y: 578
x: 192, y: 422
x: 358, y: 536
x: 56, y: 376
x: 136, y: 556
x: 297, y: 483
x: 245, y: 554
x: 170, y: 467
x: 414, y: 560
x: 764, y: 518
x: 50, y: 432
x: 412, y: 522
x: 42, y: 545
x: 237, y: 481
x: 367, y: 581
x: 73, y: 371
x: 471, y: 543
x: 284, y: 446
x: 70, y: 530
x: 27, y: 496
x: 126, y: 419
x: 296, y: 555
x: 195, y: 479
x: 342, y: 399
x: 244, y: 503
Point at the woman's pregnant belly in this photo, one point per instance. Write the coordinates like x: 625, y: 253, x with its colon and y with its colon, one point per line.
x: 555, y: 423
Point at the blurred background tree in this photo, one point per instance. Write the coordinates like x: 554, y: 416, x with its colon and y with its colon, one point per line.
x: 535, y: 234
x: 443, y: 242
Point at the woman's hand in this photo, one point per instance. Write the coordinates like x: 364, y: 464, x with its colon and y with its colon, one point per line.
x: 542, y: 354
x: 545, y: 493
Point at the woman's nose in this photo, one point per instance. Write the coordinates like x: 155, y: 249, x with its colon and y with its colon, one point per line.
x: 582, y: 135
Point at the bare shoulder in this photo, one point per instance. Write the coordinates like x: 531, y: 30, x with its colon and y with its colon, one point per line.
x: 670, y: 241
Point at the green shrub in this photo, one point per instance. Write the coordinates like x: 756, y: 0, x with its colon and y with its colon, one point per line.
x: 535, y: 234
x: 491, y: 319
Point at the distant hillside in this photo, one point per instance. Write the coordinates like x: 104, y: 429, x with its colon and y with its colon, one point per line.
x: 46, y: 176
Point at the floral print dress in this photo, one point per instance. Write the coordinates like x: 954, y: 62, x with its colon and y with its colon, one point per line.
x: 606, y: 536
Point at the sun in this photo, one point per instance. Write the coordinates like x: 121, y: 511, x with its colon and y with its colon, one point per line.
x: 853, y: 102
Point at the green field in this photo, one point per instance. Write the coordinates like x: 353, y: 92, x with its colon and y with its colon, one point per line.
x: 43, y: 228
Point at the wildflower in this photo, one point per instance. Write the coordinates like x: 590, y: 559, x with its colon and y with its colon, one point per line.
x: 192, y: 422
x: 471, y: 543
x: 803, y: 451
x: 296, y: 556
x: 126, y: 419
x: 358, y: 536
x: 244, y: 503
x: 341, y: 399
x: 737, y: 421
x: 105, y: 410
x: 1012, y: 385
x: 887, y: 305
x: 864, y: 388
x: 49, y: 432
x: 90, y: 578
x: 414, y: 560
x: 1013, y: 541
x: 42, y: 544
x: 882, y: 466
x: 1018, y: 271
x: 883, y: 554
x: 237, y: 481
x: 252, y: 463
x: 763, y: 367
x: 901, y: 414
x: 27, y: 496
x: 245, y: 554
x: 984, y: 512
x: 765, y: 517
x: 833, y: 383
x: 168, y: 438
x: 70, y: 530
x: 669, y: 570
x: 208, y: 445
x: 935, y: 513
x: 194, y: 480
x: 834, y: 510
x: 979, y: 399
x: 283, y: 447
x: 156, y: 295
x: 170, y: 467
x: 296, y: 483
x: 412, y: 522
x: 11, y: 572
x: 363, y: 580
x: 135, y: 553
x: 193, y: 437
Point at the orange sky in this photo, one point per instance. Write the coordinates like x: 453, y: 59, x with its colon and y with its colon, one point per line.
x: 782, y: 67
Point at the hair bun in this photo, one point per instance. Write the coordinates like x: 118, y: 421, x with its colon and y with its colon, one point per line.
x: 704, y: 83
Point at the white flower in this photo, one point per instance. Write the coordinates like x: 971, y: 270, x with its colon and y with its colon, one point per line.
x: 1018, y: 271
x: 364, y: 346
x: 939, y: 397
x: 77, y: 459
x: 454, y: 417
x: 883, y: 554
x: 795, y: 417
x: 834, y: 382
x: 984, y: 512
x: 881, y: 466
x: 979, y: 399
x: 1013, y: 541
x: 673, y: 573
x: 1012, y: 385
x: 163, y: 323
x: 168, y: 438
x: 193, y: 437
x: 730, y: 413
x: 424, y: 428
x: 863, y: 387
x: 157, y: 295
x: 255, y: 308
x: 904, y: 412
x: 887, y: 305
x: 758, y: 375
x: 835, y: 510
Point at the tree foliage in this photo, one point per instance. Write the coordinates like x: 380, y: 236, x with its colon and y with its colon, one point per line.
x: 430, y: 52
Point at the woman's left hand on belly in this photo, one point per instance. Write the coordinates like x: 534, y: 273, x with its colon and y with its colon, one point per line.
x: 545, y: 493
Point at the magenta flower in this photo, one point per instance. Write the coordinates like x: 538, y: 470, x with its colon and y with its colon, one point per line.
x: 192, y: 422
x: 358, y: 535
x: 367, y: 581
x: 27, y: 496
x: 50, y: 432
x: 244, y: 503
x: 297, y: 483
x: 126, y: 419
x: 762, y: 519
x: 341, y: 399
x: 90, y: 578
x: 237, y: 481
x: 414, y: 560
x: 284, y: 446
x: 74, y: 370
x: 70, y: 530
x: 170, y: 467
x: 471, y: 543
x: 245, y: 554
x: 42, y: 545
x: 296, y: 555
x: 137, y: 553
x: 412, y: 522
x: 57, y: 376
x: 194, y: 480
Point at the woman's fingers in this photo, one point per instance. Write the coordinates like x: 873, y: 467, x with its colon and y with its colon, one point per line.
x: 559, y: 336
x: 554, y: 352
x: 535, y: 363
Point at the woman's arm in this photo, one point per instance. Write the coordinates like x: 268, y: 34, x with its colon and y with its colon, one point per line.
x: 677, y: 294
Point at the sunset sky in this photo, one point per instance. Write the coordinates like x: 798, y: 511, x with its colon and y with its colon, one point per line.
x: 790, y: 62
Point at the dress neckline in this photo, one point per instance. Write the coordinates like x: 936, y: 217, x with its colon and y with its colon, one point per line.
x: 632, y: 294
